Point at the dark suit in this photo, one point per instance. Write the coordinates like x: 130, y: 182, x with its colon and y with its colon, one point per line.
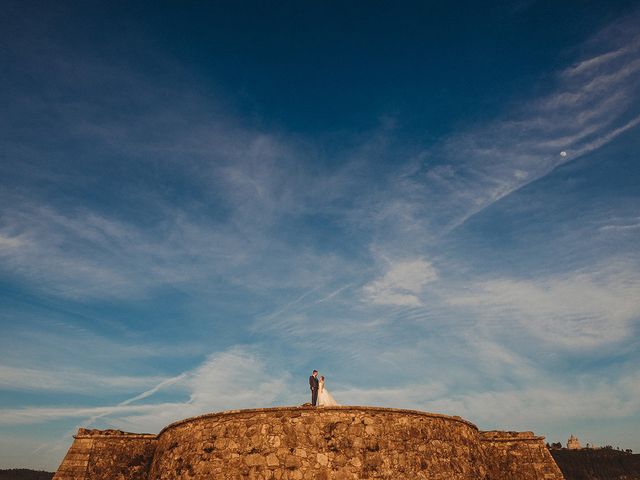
x: 314, y: 385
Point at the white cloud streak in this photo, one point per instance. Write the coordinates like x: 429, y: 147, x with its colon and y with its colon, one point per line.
x: 545, y: 404
x: 541, y: 402
x: 589, y: 105
x: 580, y: 310
x: 621, y: 226
x: 402, y: 284
x: 234, y: 378
x: 68, y: 380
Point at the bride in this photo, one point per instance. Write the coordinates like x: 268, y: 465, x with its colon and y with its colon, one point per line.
x: 324, y: 397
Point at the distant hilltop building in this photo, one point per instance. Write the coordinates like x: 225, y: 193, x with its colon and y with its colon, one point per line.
x: 573, y: 443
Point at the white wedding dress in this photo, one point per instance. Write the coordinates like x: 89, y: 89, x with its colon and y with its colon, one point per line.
x: 324, y: 397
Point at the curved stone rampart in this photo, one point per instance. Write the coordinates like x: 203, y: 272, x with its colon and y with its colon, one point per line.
x: 337, y: 443
x: 320, y: 443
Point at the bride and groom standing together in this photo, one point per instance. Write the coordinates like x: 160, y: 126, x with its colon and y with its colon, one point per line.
x: 319, y: 395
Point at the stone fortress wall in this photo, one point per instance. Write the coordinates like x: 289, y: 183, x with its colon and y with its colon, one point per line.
x: 108, y: 454
x: 341, y: 443
x: 517, y: 455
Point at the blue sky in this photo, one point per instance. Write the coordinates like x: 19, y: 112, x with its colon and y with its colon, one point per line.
x: 201, y: 204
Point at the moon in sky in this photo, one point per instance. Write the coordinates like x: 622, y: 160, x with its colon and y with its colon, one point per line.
x: 563, y: 153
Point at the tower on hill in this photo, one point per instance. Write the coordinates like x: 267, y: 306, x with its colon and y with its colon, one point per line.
x: 573, y: 443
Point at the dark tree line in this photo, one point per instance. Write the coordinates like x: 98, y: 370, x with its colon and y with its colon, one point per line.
x: 24, y: 474
x: 597, y: 464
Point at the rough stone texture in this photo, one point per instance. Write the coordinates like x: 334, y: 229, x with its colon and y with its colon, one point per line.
x: 518, y: 455
x: 319, y: 444
x: 331, y: 443
x: 107, y: 455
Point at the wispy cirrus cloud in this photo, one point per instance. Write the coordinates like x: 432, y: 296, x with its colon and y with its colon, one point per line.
x: 226, y: 187
x: 36, y: 415
x: 402, y: 284
x: 511, y: 408
x: 259, y: 179
x: 235, y: 378
x: 588, y: 105
x: 576, y: 310
x: 85, y: 254
x: 544, y: 404
x: 621, y: 226
x: 69, y: 380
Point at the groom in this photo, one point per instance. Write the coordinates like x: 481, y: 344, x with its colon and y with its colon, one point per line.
x: 313, y: 384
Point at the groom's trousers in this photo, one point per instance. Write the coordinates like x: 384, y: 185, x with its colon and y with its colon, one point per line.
x: 314, y: 396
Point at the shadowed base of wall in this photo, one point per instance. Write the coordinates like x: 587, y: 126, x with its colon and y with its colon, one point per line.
x: 296, y: 443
